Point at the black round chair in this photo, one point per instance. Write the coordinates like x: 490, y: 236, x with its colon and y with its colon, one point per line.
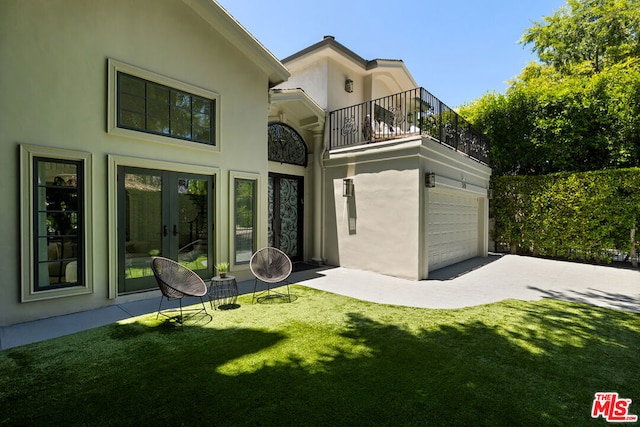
x: 176, y: 282
x: 271, y: 266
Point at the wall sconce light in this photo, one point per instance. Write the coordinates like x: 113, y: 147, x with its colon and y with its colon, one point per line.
x: 410, y: 118
x: 348, y: 85
x: 347, y: 187
x: 430, y: 179
x: 489, y: 193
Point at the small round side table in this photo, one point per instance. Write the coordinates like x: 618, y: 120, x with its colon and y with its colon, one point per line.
x: 223, y: 291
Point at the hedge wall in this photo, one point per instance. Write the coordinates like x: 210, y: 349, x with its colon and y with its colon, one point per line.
x: 579, y: 216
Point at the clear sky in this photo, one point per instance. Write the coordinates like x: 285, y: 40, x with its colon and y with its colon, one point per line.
x: 456, y: 49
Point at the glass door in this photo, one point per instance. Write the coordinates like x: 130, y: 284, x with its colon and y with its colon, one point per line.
x: 285, y: 214
x: 162, y: 213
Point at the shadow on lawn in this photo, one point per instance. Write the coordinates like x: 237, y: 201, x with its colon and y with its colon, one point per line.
x: 540, y: 366
x: 594, y: 296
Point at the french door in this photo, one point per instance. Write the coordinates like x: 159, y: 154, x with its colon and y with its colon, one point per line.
x: 286, y: 214
x: 162, y: 213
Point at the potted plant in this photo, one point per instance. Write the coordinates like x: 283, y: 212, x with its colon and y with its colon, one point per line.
x: 222, y: 268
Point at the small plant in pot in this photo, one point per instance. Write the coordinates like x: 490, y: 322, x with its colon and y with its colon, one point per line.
x: 222, y: 268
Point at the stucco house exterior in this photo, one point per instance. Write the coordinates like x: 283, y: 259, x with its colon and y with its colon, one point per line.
x: 127, y: 129
x: 162, y: 127
x: 415, y: 172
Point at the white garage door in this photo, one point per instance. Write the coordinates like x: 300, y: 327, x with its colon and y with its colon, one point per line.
x: 452, y: 233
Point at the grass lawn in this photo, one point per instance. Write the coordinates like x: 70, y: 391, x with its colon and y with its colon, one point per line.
x: 331, y: 360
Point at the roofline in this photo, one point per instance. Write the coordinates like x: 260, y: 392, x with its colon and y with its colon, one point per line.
x: 223, y: 22
x: 330, y: 41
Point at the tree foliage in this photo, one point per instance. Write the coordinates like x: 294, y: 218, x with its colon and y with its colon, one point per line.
x: 577, y: 110
x: 585, y: 216
x: 596, y: 33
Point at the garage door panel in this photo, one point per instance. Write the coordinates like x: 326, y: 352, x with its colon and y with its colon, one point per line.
x: 452, y: 231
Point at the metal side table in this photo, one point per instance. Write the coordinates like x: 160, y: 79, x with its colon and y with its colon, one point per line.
x: 223, y: 291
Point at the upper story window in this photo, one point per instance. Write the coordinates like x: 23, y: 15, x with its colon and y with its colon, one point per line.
x: 149, y: 106
x: 154, y: 108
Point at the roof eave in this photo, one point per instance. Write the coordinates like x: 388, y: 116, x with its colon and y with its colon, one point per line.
x: 328, y: 42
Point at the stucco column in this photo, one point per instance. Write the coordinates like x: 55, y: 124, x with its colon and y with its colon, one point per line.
x: 318, y: 151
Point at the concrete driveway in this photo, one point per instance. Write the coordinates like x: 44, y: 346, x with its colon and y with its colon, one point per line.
x: 486, y: 280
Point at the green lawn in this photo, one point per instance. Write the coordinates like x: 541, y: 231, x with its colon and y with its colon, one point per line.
x: 331, y: 360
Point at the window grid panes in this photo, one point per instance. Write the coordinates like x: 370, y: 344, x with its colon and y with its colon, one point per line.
x: 154, y: 108
x: 58, y: 223
x: 245, y: 219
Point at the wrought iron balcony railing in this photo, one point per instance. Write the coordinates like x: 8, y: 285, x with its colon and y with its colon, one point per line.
x: 414, y: 112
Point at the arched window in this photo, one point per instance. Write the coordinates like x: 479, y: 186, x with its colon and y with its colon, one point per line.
x: 286, y: 145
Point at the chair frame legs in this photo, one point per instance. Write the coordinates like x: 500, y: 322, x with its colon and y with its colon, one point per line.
x: 270, y: 292
x: 181, y: 318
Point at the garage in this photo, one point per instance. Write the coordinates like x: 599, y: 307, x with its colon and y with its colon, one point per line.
x: 452, y: 228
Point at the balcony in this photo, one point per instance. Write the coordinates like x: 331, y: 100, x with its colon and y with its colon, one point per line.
x: 412, y: 113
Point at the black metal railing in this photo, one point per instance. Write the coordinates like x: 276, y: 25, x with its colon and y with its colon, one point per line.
x: 414, y: 112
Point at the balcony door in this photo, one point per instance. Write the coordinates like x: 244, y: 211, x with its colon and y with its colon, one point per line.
x: 162, y: 213
x: 286, y: 214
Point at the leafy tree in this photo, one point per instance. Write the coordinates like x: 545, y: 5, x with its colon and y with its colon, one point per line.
x: 596, y: 32
x: 579, y: 109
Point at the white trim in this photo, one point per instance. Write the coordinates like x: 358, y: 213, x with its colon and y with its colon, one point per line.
x: 114, y: 161
x: 27, y: 285
x: 114, y: 66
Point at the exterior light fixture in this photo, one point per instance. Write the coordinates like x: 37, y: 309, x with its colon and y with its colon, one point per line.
x: 347, y: 187
x: 348, y: 85
x: 430, y: 179
x: 410, y: 118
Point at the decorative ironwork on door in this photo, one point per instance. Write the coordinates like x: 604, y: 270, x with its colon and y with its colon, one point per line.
x: 285, y: 214
x: 286, y: 145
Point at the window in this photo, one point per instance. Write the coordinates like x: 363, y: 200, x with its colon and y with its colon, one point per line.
x: 56, y: 222
x: 244, y: 219
x: 149, y: 106
x: 158, y: 109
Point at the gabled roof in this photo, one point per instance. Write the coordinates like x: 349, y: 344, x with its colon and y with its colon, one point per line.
x: 237, y: 35
x: 329, y: 47
x: 330, y: 42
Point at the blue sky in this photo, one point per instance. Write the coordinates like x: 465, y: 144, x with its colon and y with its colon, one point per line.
x: 456, y: 49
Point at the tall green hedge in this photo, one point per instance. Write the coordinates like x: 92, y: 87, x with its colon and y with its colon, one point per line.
x: 585, y: 216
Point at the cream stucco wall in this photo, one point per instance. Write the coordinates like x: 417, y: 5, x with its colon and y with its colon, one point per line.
x: 377, y: 229
x: 384, y: 227
x: 322, y: 74
x: 54, y: 85
x: 313, y: 79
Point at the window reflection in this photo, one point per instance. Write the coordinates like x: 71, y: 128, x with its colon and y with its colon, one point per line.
x: 58, y: 223
x: 245, y: 195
